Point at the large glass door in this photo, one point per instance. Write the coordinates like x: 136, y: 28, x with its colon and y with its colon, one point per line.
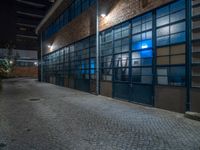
x: 142, y: 60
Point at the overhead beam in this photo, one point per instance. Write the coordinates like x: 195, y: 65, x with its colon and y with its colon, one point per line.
x: 27, y: 20
x: 32, y: 10
x: 48, y: 15
x: 31, y: 3
x: 26, y: 36
x: 26, y: 25
x: 29, y: 14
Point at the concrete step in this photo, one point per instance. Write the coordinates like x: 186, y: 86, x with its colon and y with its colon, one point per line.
x: 192, y: 115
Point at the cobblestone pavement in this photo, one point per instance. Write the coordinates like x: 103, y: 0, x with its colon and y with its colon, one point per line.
x: 66, y: 119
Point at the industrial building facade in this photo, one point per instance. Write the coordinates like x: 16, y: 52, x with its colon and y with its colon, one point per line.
x: 149, y: 50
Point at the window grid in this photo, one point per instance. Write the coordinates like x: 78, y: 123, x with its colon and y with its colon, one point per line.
x: 75, y: 9
x: 171, y: 47
x: 142, y: 49
x: 106, y: 55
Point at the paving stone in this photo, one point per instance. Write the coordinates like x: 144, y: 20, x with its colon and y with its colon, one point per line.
x: 66, y: 119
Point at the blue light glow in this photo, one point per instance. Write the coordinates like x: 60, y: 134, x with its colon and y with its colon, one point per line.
x: 92, y: 66
x: 146, y: 54
x: 142, y: 45
x: 82, y: 68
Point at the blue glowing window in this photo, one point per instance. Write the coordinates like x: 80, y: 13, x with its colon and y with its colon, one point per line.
x: 162, y: 11
x: 180, y: 4
x: 146, y: 53
x: 82, y: 71
x: 82, y: 66
x: 92, y: 66
x: 142, y: 54
x: 146, y: 44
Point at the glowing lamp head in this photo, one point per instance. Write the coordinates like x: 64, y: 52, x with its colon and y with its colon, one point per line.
x: 103, y: 15
x: 49, y: 46
x: 36, y: 63
x: 11, y: 62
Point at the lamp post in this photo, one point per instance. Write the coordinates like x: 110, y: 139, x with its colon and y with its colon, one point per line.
x: 97, y: 47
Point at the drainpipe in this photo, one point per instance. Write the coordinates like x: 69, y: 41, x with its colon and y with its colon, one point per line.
x: 97, y: 47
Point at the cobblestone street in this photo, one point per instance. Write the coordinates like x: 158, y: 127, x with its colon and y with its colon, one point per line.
x: 35, y: 116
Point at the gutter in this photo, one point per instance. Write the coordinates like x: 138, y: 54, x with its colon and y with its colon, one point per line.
x: 48, y: 15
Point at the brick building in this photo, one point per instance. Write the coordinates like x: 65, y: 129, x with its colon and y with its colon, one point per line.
x: 25, y: 62
x: 149, y: 50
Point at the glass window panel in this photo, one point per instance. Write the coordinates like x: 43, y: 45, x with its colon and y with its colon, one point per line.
x: 147, y: 17
x: 125, y: 33
x: 163, y: 60
x: 162, y: 71
x: 177, y: 75
x: 117, y: 35
x: 162, y: 21
x: 136, y: 29
x: 163, y: 41
x: 145, y: 44
x: 136, y: 21
x: 178, y: 38
x: 180, y: 4
x: 125, y: 41
x: 178, y: 49
x: 148, y: 35
x: 146, y: 62
x: 163, y: 51
x: 136, y: 71
x: 147, y: 26
x: 136, y: 38
x: 177, y: 27
x: 196, y: 47
x: 117, y: 43
x: 162, y: 80
x: 125, y: 48
x: 196, y: 57
x: 146, y: 71
x: 196, y: 81
x: 162, y: 11
x: 178, y: 59
x: 163, y: 31
x: 118, y: 49
x: 177, y: 16
x: 117, y: 29
x: 146, y: 79
x: 136, y: 62
x: 136, y: 79
x: 196, y: 71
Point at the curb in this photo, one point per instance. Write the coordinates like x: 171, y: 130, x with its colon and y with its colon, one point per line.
x: 192, y: 115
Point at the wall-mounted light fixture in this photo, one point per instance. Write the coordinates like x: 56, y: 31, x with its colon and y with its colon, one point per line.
x: 103, y: 15
x: 49, y: 46
x: 36, y: 63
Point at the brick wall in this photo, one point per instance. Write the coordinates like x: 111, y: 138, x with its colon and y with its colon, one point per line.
x: 25, y: 72
x: 84, y: 25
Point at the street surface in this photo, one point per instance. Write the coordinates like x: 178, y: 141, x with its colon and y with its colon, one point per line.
x: 41, y: 116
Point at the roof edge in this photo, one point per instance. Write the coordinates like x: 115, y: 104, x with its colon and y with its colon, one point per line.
x: 48, y: 15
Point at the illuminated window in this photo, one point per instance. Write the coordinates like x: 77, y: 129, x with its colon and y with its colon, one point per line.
x: 171, y: 47
x: 142, y: 52
x: 106, y: 52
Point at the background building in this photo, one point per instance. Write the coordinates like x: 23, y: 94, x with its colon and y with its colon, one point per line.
x: 149, y: 50
x: 17, y: 31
